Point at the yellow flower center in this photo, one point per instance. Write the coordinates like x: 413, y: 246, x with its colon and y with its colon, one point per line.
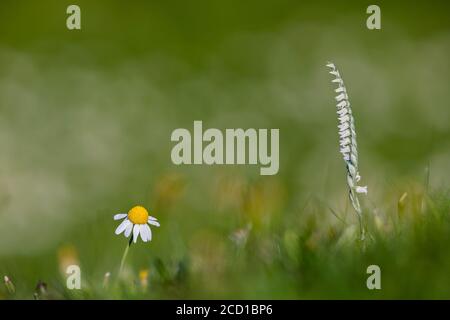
x: 138, y: 215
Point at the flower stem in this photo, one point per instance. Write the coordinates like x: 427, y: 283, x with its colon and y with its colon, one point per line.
x: 124, y: 256
x: 355, y: 203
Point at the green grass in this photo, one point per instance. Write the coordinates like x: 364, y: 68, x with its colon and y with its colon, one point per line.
x: 317, y: 256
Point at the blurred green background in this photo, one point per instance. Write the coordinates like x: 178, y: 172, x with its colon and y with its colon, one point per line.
x: 85, y: 124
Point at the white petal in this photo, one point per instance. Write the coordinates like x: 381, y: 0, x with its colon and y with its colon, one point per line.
x: 340, y: 89
x: 122, y: 226
x: 343, y: 126
x: 342, y: 104
x: 136, y: 232
x: 128, y: 230
x: 344, y: 134
x: 345, y: 150
x: 335, y: 73
x: 120, y: 216
x: 152, y: 218
x: 155, y: 223
x: 144, y: 235
x: 338, y: 80
x: 340, y: 97
x: 344, y: 118
x: 361, y: 189
x: 145, y: 228
x: 149, y: 232
x: 344, y: 142
x: 342, y: 112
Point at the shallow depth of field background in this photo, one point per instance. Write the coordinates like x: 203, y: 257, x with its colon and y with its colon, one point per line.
x: 85, y: 124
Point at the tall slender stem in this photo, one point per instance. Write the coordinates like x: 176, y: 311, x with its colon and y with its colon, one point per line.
x: 355, y: 202
x: 124, y: 256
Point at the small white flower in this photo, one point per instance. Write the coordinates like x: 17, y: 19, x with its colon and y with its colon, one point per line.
x: 136, y: 221
x: 361, y: 189
x: 347, y: 133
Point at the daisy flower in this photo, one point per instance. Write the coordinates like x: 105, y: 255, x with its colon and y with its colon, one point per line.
x: 136, y: 221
